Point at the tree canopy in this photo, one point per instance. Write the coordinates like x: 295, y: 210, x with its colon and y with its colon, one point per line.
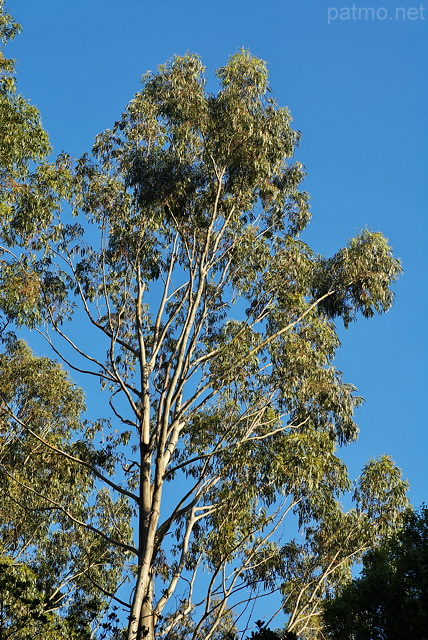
x: 168, y: 266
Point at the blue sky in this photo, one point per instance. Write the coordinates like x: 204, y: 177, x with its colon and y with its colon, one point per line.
x: 354, y: 78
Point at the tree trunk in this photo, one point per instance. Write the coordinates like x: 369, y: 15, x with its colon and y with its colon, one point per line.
x: 141, y: 623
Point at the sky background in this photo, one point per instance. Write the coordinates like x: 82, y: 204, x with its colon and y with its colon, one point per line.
x: 355, y: 83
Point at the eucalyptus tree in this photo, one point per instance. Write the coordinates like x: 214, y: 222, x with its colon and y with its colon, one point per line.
x: 182, y: 285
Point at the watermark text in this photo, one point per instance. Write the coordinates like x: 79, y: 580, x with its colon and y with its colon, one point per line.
x: 375, y: 13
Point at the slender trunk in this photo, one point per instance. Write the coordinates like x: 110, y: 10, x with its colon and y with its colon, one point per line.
x: 141, y: 618
x: 147, y: 620
x: 141, y: 624
x: 136, y: 630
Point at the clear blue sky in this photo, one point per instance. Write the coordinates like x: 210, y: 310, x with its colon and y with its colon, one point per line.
x: 354, y: 76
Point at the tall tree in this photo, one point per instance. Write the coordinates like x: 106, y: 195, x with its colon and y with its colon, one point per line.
x: 210, y: 325
x: 389, y: 600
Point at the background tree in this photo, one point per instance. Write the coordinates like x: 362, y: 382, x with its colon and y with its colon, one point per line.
x: 54, y: 579
x: 22, y: 137
x: 389, y: 600
x: 210, y: 325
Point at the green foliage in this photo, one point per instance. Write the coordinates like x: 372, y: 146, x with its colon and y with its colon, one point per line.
x: 369, y: 267
x: 25, y: 610
x: 389, y: 599
x: 22, y: 138
x: 214, y: 339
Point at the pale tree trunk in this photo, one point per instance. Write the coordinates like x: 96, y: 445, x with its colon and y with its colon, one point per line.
x: 141, y: 625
